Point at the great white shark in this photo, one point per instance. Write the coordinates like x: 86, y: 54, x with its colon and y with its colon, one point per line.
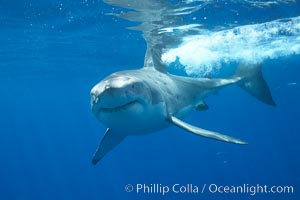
x: 142, y: 101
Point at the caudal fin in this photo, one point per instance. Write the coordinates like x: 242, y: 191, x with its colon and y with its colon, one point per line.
x: 253, y: 82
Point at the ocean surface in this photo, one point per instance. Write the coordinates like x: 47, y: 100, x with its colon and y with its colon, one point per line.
x: 53, y: 52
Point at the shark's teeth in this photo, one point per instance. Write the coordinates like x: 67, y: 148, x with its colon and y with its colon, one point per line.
x: 118, y: 108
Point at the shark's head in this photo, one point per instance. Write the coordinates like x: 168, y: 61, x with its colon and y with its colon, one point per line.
x: 121, y: 101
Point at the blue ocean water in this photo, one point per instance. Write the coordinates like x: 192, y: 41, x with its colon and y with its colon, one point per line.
x: 53, y: 52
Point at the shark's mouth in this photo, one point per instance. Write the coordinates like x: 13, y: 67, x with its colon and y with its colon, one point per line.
x: 118, y: 108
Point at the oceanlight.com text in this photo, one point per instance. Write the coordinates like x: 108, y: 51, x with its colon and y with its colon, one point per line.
x: 176, y: 188
x: 249, y: 189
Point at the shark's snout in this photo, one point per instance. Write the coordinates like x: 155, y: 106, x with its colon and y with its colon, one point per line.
x: 95, y: 103
x: 118, y: 93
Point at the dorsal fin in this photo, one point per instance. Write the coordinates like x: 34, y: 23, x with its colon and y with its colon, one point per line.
x: 153, y: 58
x: 152, y: 16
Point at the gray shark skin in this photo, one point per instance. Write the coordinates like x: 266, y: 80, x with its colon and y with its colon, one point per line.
x: 146, y: 100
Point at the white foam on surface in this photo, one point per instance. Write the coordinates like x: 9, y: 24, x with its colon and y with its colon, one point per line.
x: 250, y: 44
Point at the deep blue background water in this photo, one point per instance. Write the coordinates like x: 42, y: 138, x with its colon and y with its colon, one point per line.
x: 49, y: 60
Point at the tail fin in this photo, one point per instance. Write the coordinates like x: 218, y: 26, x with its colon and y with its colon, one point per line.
x: 253, y: 82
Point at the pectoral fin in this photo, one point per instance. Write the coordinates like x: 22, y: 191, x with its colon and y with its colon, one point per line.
x: 205, y: 133
x: 108, y: 143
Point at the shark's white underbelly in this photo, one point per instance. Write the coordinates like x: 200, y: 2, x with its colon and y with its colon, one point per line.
x: 136, y: 120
